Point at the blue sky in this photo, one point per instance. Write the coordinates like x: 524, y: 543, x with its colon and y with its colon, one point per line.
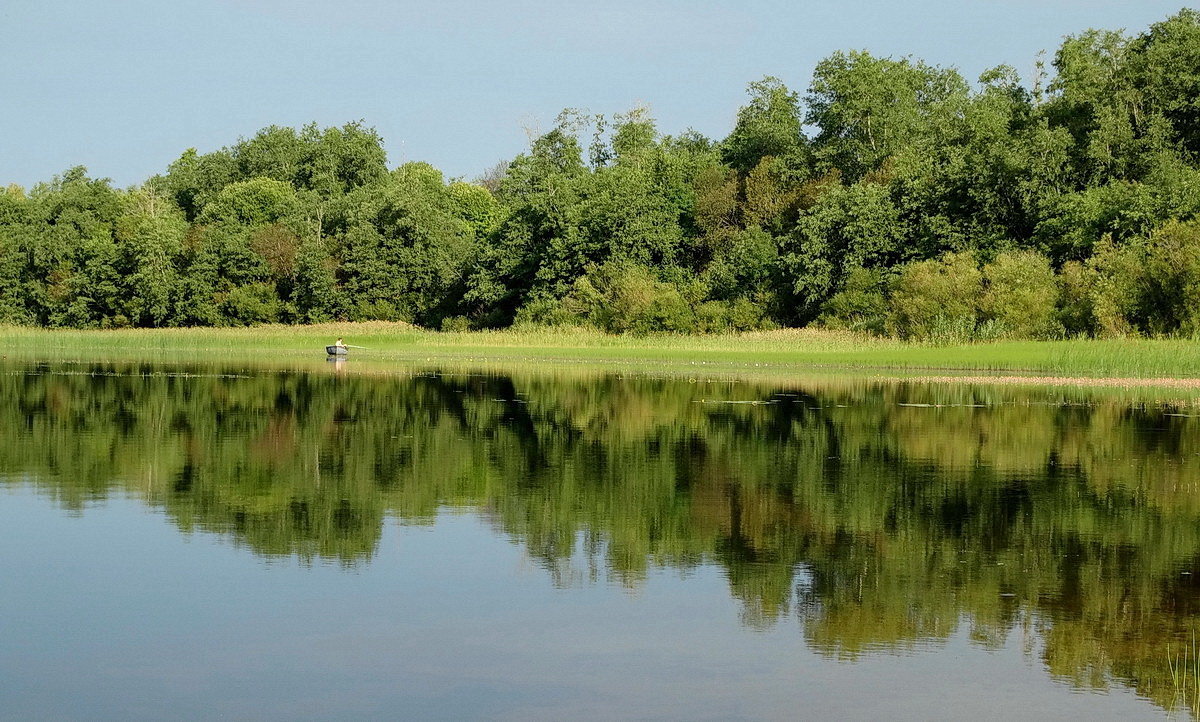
x: 125, y: 87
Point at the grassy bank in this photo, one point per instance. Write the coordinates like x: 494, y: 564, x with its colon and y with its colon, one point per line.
x: 787, y: 349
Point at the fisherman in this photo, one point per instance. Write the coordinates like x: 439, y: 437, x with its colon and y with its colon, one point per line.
x: 339, y: 343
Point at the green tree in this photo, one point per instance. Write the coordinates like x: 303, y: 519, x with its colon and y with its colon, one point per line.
x: 317, y: 295
x: 850, y: 227
x: 151, y: 242
x: 769, y: 125
x: 867, y: 109
x: 1170, y: 280
x: 1165, y: 65
x: 253, y: 202
x: 404, y: 247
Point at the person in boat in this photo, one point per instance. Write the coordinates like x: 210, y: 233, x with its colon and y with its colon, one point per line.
x: 339, y: 343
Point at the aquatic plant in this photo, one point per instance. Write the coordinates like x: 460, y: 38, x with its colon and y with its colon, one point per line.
x: 1185, y: 676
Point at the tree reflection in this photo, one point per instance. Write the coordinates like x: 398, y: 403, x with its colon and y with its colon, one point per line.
x: 883, y: 515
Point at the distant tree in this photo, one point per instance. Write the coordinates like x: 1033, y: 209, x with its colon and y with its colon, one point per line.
x: 769, y: 125
x: 253, y: 202
x: 150, y: 239
x: 867, y: 109
x: 405, y: 247
x: 493, y: 177
x: 1165, y: 64
x: 851, y: 227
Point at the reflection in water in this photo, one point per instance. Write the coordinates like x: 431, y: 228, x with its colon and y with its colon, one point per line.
x: 883, y: 516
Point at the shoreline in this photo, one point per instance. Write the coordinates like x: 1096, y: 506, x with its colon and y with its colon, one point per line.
x: 1101, y: 363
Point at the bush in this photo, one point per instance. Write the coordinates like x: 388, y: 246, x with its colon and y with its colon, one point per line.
x: 642, y: 305
x: 120, y: 320
x: 743, y: 263
x: 1170, y: 280
x: 1020, y: 296
x: 251, y: 304
x: 378, y: 310
x: 456, y: 324
x: 952, y: 329
x: 546, y: 311
x: 936, y: 299
x: 724, y: 316
x: 749, y: 315
x: 1076, y: 312
x: 1113, y: 276
x: 624, y: 298
x: 861, y: 305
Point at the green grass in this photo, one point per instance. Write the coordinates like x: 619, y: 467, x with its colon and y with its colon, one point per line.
x: 1185, y: 676
x: 793, y: 350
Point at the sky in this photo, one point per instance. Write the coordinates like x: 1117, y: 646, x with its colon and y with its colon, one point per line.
x: 124, y: 87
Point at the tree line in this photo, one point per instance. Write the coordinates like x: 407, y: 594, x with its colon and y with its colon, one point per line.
x: 893, y: 197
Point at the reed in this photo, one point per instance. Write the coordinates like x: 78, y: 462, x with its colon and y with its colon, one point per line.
x: 784, y: 349
x: 1185, y: 676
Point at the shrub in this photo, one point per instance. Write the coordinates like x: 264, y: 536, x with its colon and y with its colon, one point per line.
x: 624, y: 298
x: 641, y: 305
x: 749, y: 315
x: 1113, y: 275
x: 1020, y: 295
x: 936, y: 299
x: 456, y: 323
x: 1076, y: 311
x: 712, y: 317
x: 723, y: 316
x: 951, y: 329
x: 251, y: 304
x: 545, y: 311
x: 378, y: 310
x: 743, y: 263
x: 861, y: 305
x: 120, y: 320
x: 1170, y: 280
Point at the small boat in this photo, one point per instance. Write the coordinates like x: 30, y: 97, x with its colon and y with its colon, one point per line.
x: 337, y: 350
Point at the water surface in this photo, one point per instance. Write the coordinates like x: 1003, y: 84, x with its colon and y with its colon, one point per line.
x: 207, y: 540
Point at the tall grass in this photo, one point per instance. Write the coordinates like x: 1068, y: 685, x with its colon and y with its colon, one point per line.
x: 793, y: 348
x: 1185, y: 676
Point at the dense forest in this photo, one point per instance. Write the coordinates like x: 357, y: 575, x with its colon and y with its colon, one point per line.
x: 893, y: 196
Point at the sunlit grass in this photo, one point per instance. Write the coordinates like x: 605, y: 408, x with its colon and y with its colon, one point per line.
x: 792, y: 348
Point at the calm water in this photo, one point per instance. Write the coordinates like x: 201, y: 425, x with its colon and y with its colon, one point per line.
x: 195, y: 541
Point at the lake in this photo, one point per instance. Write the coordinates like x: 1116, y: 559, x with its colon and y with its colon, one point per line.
x: 196, y: 540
